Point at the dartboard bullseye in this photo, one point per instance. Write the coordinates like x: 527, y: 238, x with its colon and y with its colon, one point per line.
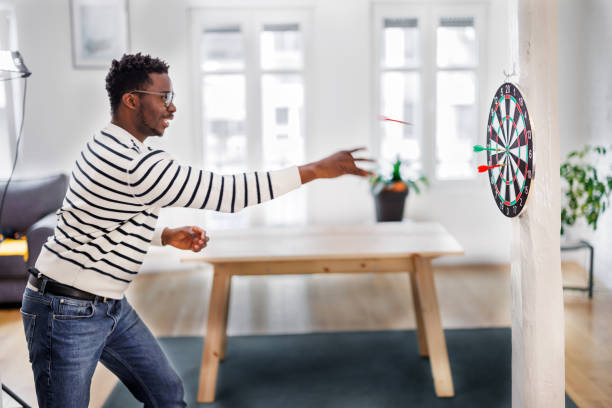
x: 509, y: 150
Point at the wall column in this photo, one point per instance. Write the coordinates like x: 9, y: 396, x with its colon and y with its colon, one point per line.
x: 538, y: 338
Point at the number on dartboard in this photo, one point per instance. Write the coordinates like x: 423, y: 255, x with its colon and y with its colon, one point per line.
x: 510, y: 185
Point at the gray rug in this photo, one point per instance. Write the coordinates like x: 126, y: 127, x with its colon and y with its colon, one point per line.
x: 344, y: 369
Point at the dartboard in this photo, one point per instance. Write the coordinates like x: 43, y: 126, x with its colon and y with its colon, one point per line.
x: 510, y: 153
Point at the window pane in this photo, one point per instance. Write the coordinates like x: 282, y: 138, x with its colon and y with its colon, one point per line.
x: 401, y: 43
x: 281, y: 46
x: 282, y: 116
x: 457, y: 42
x: 400, y: 100
x: 222, y: 49
x: 456, y: 124
x: 283, y: 141
x: 225, y: 148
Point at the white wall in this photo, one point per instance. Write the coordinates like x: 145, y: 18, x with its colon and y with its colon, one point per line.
x: 66, y: 105
x: 595, y: 77
x: 573, y: 112
x: 585, y: 105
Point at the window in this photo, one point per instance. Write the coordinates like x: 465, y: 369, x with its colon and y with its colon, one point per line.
x: 428, y: 73
x: 251, y: 67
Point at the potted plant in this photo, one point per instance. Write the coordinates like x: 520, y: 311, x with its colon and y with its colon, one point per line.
x: 390, y: 192
x: 586, y: 193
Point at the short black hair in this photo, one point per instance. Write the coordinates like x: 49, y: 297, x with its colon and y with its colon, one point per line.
x: 129, y: 73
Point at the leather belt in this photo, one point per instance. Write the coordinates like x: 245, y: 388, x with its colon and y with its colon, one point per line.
x: 59, y: 289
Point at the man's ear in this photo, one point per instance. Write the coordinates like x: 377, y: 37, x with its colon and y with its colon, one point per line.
x: 130, y: 101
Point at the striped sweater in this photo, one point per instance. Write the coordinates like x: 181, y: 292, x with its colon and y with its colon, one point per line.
x: 118, y: 185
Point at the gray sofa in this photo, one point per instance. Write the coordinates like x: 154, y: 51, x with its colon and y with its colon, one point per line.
x: 29, y: 208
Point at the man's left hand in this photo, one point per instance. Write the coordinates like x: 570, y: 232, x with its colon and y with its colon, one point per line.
x: 191, y: 238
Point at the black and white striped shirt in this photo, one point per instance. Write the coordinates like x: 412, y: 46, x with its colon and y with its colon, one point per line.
x: 118, y: 185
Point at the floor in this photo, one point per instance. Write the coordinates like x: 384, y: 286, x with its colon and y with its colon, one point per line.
x: 174, y: 303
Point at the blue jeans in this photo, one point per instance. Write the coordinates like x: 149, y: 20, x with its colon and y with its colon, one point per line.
x: 67, y: 337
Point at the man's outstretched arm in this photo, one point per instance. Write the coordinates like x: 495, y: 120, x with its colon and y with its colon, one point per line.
x: 157, y: 180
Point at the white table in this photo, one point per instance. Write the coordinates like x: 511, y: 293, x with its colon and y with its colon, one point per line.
x: 404, y: 247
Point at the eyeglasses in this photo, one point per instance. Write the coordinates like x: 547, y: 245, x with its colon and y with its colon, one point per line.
x: 167, y: 96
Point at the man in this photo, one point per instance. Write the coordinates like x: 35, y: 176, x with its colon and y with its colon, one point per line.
x: 74, y: 311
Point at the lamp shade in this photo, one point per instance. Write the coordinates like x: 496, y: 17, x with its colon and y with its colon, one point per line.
x: 11, y: 61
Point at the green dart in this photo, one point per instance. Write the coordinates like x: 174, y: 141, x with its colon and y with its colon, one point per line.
x: 479, y: 148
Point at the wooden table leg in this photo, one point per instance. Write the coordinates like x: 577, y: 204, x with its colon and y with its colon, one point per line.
x: 217, y: 315
x: 228, y: 290
x: 418, y: 311
x: 436, y: 344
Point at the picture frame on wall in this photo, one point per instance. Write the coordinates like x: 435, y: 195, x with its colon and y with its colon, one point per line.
x: 99, y: 32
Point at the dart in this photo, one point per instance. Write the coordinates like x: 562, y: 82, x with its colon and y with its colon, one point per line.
x: 381, y: 117
x: 479, y: 148
x: 482, y: 169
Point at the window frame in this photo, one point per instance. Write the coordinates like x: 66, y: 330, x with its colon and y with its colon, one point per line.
x: 428, y: 15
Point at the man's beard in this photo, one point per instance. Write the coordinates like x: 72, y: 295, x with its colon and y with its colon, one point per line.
x: 144, y: 127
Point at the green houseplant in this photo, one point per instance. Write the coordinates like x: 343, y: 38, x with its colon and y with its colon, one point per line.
x: 585, y: 192
x: 390, y: 191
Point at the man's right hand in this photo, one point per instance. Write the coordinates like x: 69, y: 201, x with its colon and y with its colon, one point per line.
x: 338, y: 164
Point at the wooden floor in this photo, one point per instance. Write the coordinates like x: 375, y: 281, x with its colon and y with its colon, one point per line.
x: 175, y: 304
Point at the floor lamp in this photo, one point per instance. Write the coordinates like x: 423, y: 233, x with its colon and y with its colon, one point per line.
x: 12, y: 67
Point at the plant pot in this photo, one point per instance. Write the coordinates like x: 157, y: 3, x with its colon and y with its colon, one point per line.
x: 390, y: 205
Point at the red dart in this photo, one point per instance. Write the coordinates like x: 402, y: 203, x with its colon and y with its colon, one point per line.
x: 381, y: 117
x: 482, y: 169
